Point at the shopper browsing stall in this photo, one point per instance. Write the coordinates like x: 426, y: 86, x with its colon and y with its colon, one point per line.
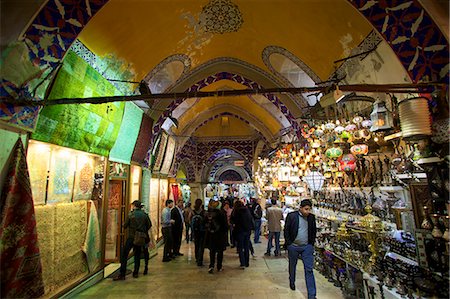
x: 136, y: 222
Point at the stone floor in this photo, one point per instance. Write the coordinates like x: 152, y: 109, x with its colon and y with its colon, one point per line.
x: 267, y: 277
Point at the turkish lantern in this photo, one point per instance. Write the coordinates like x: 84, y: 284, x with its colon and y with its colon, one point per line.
x: 347, y: 163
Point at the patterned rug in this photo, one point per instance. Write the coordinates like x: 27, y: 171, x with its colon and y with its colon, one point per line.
x: 45, y: 221
x: 20, y: 262
x: 91, y: 246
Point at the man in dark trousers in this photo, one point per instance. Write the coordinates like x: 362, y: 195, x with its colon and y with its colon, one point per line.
x: 257, y: 215
x: 177, y: 226
x: 166, y: 224
x: 300, y: 235
x: 137, y: 220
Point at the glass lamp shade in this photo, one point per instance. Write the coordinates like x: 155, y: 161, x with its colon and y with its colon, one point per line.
x: 314, y: 180
x: 359, y: 149
x: 347, y: 163
x: 333, y: 152
x: 380, y: 117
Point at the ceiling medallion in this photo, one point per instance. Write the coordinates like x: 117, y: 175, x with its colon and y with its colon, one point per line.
x: 221, y: 16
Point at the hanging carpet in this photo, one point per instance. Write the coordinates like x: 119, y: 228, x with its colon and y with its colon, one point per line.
x: 20, y: 262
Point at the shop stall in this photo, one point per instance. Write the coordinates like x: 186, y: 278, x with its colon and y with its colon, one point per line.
x: 68, y: 199
x: 379, y: 182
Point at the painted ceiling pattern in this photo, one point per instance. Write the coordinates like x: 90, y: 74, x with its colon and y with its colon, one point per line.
x: 412, y: 34
x: 404, y: 25
x: 221, y: 16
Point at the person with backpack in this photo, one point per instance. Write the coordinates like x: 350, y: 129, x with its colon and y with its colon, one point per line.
x: 198, y: 230
x: 216, y: 234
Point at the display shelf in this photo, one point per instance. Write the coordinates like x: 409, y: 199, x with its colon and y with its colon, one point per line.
x: 391, y: 188
x: 397, y: 256
x: 344, y: 260
x: 418, y: 175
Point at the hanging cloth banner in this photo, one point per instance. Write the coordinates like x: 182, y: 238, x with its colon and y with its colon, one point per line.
x: 91, y: 246
x: 129, y: 130
x: 20, y: 261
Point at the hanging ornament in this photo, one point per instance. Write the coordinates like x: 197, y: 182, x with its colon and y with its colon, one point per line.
x: 357, y: 119
x: 347, y: 163
x: 350, y: 127
x: 359, y: 149
x: 367, y: 123
x: 330, y: 126
x: 333, y: 152
x: 346, y: 135
x: 339, y: 129
x: 318, y: 132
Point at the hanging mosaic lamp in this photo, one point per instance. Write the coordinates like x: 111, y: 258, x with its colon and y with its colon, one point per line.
x: 339, y: 129
x: 333, y: 152
x: 359, y: 149
x: 330, y: 126
x: 346, y: 135
x: 367, y: 123
x: 350, y: 127
x: 347, y: 163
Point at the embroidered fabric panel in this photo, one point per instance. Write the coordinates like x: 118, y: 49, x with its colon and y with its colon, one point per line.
x: 89, y: 128
x: 129, y: 130
x: 168, y: 157
x: 143, y: 140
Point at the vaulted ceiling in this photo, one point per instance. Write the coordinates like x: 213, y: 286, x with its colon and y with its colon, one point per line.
x: 210, y: 45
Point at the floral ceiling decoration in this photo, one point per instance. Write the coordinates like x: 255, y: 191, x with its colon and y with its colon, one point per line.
x: 221, y: 16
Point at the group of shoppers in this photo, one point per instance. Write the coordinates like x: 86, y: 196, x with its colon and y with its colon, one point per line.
x: 210, y: 229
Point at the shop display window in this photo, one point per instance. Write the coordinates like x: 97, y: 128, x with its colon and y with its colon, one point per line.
x: 136, y: 174
x: 67, y: 187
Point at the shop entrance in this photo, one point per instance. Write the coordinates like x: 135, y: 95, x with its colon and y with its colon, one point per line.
x: 115, y: 218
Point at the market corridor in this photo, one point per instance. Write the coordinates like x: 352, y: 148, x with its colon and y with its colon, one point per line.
x: 267, y: 277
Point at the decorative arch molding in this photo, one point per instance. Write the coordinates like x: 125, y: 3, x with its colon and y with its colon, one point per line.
x: 241, y: 171
x: 183, y: 58
x: 190, y: 170
x: 269, y: 50
x: 215, y: 78
x: 232, y: 110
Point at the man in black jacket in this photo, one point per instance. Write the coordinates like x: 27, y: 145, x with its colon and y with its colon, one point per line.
x: 176, y: 214
x: 300, y: 235
x: 137, y: 220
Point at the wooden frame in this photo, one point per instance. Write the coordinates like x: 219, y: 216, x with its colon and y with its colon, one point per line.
x: 420, y: 197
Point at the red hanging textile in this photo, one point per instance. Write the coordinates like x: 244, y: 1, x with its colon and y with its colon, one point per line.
x: 175, y: 192
x: 20, y: 261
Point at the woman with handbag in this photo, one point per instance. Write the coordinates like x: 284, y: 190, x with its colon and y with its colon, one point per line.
x: 138, y: 224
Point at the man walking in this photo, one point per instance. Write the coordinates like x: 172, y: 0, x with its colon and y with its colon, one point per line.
x: 257, y: 215
x: 187, y: 214
x: 137, y: 220
x: 177, y: 227
x: 300, y: 235
x: 274, y: 215
x: 166, y: 224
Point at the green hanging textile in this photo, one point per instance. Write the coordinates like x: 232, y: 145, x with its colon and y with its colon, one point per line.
x: 90, y: 128
x: 145, y: 189
x: 129, y: 130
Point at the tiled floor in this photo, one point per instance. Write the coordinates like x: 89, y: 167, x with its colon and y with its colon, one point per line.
x: 267, y: 277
